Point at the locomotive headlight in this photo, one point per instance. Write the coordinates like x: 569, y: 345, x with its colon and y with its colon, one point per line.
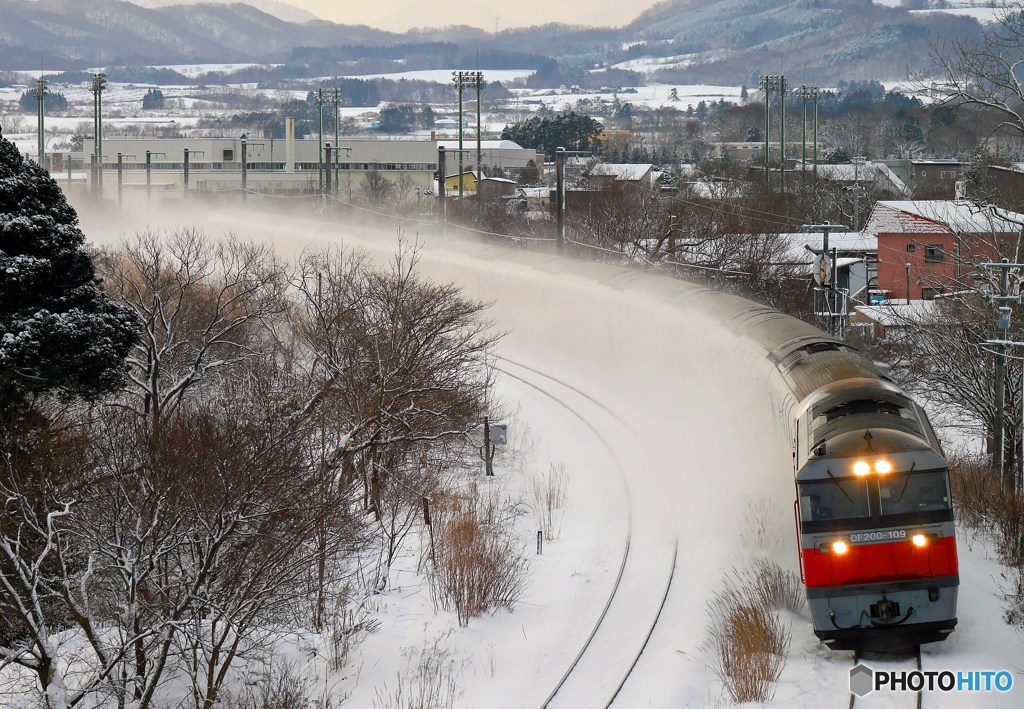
x: 861, y: 468
x: 840, y: 547
x: 919, y: 540
x: 883, y: 466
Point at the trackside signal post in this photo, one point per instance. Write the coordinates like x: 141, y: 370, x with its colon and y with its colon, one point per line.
x: 825, y: 273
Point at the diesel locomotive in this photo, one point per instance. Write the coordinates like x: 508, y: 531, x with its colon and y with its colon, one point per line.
x: 873, y: 512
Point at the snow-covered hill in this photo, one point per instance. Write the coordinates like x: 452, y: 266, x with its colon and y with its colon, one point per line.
x: 280, y: 10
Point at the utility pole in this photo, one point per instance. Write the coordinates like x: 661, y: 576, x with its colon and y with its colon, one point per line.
x: 320, y: 137
x: 560, y: 199
x: 828, y: 284
x: 120, y: 180
x: 809, y: 93
x: 478, y: 82
x: 149, y: 175
x: 814, y: 95
x: 328, y: 163
x: 1000, y: 344
x: 184, y: 166
x: 801, y: 92
x: 41, y: 93
x: 782, y: 130
x: 442, y: 214
x: 858, y: 163
x: 99, y: 85
x: 245, y: 171
x: 767, y: 83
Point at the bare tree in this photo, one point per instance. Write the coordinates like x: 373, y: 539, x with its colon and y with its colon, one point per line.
x: 401, y: 366
x: 983, y: 74
x: 205, y: 307
x: 376, y: 189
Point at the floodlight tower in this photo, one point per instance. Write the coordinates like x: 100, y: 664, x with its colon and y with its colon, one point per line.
x: 461, y: 79
x: 320, y: 99
x: 477, y: 81
x: 99, y: 85
x: 41, y: 93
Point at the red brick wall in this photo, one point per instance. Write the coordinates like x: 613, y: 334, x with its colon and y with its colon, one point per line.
x: 893, y: 258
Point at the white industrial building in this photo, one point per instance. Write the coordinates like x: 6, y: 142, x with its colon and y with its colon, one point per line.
x: 503, y: 154
x: 282, y: 165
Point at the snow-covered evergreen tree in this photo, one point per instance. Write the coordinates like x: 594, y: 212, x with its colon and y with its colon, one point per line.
x: 58, y: 330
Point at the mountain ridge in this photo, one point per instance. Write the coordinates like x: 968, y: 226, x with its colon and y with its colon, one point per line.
x: 716, y: 41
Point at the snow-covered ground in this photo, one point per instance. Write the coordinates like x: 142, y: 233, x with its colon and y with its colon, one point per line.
x: 622, y: 390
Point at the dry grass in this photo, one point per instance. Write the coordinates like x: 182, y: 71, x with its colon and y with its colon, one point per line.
x: 431, y: 679
x: 479, y: 564
x: 777, y: 588
x: 550, y: 495
x: 760, y: 521
x: 985, y: 506
x: 278, y: 684
x: 349, y: 624
x: 747, y: 642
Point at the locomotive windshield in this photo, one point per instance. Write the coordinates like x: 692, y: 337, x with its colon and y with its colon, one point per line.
x: 834, y: 499
x: 917, y: 492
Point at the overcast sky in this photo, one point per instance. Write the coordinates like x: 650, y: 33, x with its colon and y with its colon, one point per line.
x: 400, y: 15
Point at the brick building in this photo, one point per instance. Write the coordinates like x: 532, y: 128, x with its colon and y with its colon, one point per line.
x: 931, y: 247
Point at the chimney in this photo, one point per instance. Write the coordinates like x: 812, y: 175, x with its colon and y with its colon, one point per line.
x: 289, y: 144
x: 433, y: 135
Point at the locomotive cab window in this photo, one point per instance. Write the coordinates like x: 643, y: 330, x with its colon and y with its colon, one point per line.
x: 918, y: 492
x: 834, y: 499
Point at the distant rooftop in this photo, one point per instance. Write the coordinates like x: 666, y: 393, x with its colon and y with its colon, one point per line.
x: 926, y: 216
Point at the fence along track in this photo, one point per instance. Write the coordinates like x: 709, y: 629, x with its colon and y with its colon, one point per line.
x: 629, y: 533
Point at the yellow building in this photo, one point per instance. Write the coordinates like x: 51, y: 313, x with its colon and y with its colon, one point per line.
x: 451, y: 182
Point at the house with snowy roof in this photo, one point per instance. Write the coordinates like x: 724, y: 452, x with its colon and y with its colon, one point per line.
x: 604, y: 174
x: 877, y: 174
x: 926, y: 248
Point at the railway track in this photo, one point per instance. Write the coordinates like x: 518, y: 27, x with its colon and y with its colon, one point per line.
x: 614, y: 595
x: 893, y: 662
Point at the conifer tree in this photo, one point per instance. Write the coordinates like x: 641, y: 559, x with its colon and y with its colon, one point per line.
x: 59, y: 332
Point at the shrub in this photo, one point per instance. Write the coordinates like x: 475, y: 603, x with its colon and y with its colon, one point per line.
x: 478, y: 563
x: 747, y: 643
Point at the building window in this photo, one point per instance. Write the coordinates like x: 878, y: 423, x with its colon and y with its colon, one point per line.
x: 933, y: 253
x: 930, y: 293
x: 911, y: 248
x: 229, y: 155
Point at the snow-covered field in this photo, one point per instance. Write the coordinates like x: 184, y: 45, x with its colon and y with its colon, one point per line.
x: 443, y: 76
x: 649, y: 96
x: 624, y: 391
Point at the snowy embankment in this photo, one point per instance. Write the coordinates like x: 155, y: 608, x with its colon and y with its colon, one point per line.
x: 633, y: 394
